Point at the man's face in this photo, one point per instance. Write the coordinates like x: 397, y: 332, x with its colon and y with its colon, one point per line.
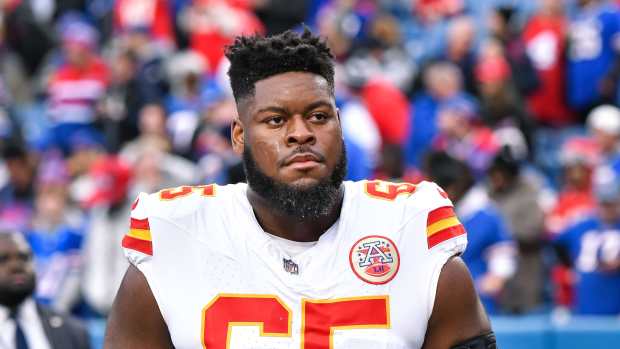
x: 17, y: 279
x: 290, y: 137
x: 292, y: 128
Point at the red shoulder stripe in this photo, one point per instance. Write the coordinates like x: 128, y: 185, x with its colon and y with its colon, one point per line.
x: 139, y: 224
x: 445, y: 234
x: 438, y: 214
x: 142, y: 246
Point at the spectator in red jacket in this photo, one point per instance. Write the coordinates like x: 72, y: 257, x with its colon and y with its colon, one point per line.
x: 544, y: 37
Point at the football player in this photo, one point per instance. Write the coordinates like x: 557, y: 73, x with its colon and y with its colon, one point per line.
x: 296, y: 258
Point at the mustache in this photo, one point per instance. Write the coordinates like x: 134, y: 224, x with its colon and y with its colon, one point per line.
x: 301, y: 150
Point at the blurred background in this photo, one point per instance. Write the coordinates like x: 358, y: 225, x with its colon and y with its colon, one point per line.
x: 511, y: 106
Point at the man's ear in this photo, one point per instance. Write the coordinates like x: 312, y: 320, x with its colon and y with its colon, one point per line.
x: 237, y: 136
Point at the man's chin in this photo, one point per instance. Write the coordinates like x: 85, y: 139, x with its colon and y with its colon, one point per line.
x: 304, y: 183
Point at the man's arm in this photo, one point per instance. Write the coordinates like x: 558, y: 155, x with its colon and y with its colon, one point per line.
x: 458, y: 316
x: 135, y: 320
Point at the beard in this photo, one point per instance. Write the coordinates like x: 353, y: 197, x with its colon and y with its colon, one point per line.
x: 305, y: 202
x: 12, y: 296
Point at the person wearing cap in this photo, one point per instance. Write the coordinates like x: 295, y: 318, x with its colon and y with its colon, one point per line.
x: 592, y: 250
x: 25, y: 324
x: 578, y: 156
x: 77, y: 85
x: 603, y: 124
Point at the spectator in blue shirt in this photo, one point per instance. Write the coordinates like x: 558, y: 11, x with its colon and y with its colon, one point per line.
x: 593, y: 54
x: 592, y: 247
x: 55, y: 236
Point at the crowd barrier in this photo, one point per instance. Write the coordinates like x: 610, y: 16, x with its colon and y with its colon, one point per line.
x: 518, y: 332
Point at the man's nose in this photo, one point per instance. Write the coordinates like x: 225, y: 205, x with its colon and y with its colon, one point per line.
x: 299, y: 131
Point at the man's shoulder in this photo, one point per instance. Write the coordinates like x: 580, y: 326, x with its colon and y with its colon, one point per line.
x: 411, y: 198
x: 184, y: 201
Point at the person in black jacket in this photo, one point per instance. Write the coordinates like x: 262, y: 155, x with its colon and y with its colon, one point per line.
x: 24, y: 324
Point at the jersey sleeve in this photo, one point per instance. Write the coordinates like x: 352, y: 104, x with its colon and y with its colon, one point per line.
x: 445, y: 234
x: 137, y: 242
x: 439, y: 236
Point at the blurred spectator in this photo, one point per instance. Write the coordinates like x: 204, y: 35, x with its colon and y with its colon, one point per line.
x: 123, y: 100
x: 380, y: 55
x: 389, y: 108
x: 108, y: 207
x: 280, y: 15
x: 463, y: 137
x: 147, y: 62
x: 544, y: 37
x: 212, y: 24
x: 517, y: 200
x: 501, y: 103
x: 23, y: 322
x: 212, y: 146
x: 27, y: 33
x: 189, y: 90
x: 16, y: 204
x: 359, y: 127
x: 152, y: 125
x: 55, y: 235
x: 593, y: 250
x: 77, y: 85
x: 460, y: 50
x: 593, y: 67
x: 504, y: 28
x: 431, y: 11
x: 490, y: 254
x: 150, y: 16
x: 442, y: 82
x: 604, y: 125
x: 579, y: 156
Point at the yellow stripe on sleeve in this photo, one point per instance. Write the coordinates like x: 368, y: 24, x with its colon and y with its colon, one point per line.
x: 441, y: 225
x: 141, y: 234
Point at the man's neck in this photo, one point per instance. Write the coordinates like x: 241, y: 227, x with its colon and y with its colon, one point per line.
x: 291, y: 227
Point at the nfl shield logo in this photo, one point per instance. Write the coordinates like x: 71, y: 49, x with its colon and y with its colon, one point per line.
x: 290, y: 266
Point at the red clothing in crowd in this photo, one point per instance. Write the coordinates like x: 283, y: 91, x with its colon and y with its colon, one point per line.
x: 572, y: 206
x: 389, y: 108
x: 214, y: 25
x: 545, y: 42
x: 74, y: 91
x: 150, y: 15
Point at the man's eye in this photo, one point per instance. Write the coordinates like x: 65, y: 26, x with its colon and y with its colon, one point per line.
x: 319, y: 116
x: 275, y: 121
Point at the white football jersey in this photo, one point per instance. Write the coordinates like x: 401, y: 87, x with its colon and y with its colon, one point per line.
x: 221, y: 282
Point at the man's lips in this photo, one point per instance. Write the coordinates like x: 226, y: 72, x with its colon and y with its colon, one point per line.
x: 303, y: 161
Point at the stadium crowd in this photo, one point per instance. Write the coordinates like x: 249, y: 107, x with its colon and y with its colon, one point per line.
x: 510, y: 106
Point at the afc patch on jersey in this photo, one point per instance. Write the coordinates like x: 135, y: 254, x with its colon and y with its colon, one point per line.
x: 374, y: 259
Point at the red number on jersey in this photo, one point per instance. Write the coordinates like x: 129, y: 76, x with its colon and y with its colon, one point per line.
x: 178, y: 192
x: 267, y: 312
x: 319, y: 318
x: 322, y: 317
x: 387, y: 190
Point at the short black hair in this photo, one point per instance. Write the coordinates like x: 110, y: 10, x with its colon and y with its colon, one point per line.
x: 254, y: 58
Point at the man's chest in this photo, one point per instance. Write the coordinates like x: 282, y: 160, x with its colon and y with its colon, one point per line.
x: 267, y: 300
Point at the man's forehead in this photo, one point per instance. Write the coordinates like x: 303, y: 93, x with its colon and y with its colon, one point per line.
x: 287, y: 88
